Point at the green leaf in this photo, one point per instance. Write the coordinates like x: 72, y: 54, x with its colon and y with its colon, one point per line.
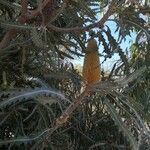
x: 12, y: 25
x: 119, y: 122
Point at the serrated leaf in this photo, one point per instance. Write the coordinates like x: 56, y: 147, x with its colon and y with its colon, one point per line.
x: 119, y: 122
x: 87, y: 9
x: 11, y: 25
x: 25, y: 96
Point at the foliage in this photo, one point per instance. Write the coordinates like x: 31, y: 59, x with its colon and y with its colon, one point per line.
x: 43, y: 100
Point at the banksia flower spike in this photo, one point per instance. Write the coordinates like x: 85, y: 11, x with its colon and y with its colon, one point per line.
x: 91, y: 67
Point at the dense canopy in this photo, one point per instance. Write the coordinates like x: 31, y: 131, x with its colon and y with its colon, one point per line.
x: 44, y: 100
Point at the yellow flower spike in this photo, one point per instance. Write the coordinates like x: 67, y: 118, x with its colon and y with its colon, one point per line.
x: 91, y: 67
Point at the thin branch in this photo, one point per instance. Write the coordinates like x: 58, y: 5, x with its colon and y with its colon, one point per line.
x: 11, y: 33
x: 66, y: 114
x: 30, y: 15
x: 34, y: 13
x: 25, y: 17
x: 24, y: 7
x: 87, y: 28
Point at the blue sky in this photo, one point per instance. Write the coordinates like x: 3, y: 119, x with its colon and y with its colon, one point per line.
x: 107, y: 65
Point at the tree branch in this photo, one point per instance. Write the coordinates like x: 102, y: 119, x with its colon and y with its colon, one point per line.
x: 24, y: 5
x: 79, y: 29
x: 11, y: 33
x: 25, y: 16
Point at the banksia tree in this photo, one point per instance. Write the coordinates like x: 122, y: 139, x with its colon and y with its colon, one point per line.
x: 43, y: 103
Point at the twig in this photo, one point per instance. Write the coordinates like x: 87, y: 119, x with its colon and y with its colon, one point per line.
x: 30, y: 15
x: 24, y: 5
x: 25, y: 16
x: 11, y: 33
x: 87, y: 28
x: 65, y: 115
